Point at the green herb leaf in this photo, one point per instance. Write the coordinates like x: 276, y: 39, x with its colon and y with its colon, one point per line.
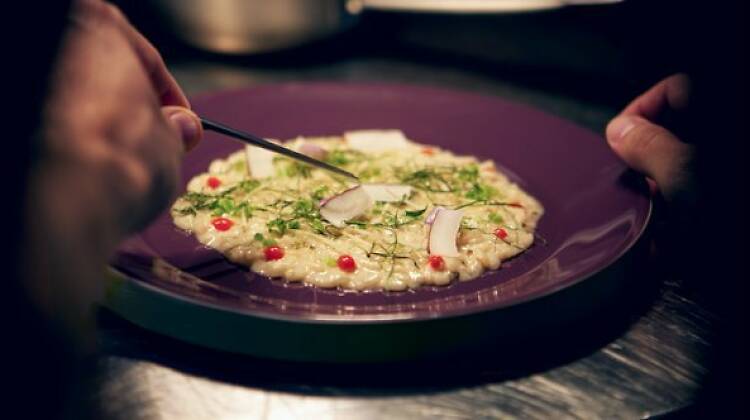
x: 319, y: 193
x: 338, y: 157
x: 430, y: 179
x: 248, y: 185
x: 481, y: 192
x: 469, y: 173
x: 415, y: 213
x: 277, y: 226
x: 304, y: 208
x: 295, y: 168
x: 265, y: 242
x: 358, y: 223
x: 317, y: 226
x: 245, y: 209
x: 224, y: 205
x: 495, y: 218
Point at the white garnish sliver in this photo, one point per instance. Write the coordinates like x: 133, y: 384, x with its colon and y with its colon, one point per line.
x: 259, y: 162
x: 387, y: 192
x: 345, y: 206
x: 370, y: 141
x: 444, y: 232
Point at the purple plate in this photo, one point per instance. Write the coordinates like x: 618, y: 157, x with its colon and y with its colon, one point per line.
x: 593, y: 211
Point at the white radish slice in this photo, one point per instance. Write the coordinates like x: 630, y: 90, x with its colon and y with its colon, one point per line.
x: 370, y: 141
x: 313, y: 150
x: 345, y: 206
x: 443, y: 233
x: 259, y: 162
x: 387, y: 192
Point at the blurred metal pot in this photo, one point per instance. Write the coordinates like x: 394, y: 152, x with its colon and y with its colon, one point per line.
x: 256, y: 26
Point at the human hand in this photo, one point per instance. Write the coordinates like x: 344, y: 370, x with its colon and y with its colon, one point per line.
x: 117, y: 115
x: 112, y: 133
x: 639, y: 138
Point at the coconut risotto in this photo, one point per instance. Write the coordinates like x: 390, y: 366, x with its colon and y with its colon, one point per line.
x: 422, y: 215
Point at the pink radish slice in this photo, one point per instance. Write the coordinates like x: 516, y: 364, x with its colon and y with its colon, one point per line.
x: 431, y: 215
x: 443, y: 233
x: 313, y: 150
x: 370, y: 141
x: 345, y: 206
x: 387, y: 192
x: 259, y: 162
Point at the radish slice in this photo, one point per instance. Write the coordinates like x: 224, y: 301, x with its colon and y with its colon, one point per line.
x: 443, y: 233
x: 345, y: 206
x: 259, y: 162
x: 431, y: 215
x: 387, y: 192
x: 370, y: 141
x: 313, y: 150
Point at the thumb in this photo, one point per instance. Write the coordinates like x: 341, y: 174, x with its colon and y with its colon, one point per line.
x: 185, y: 122
x: 652, y: 150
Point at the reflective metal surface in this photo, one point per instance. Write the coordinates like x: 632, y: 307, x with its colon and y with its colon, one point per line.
x: 251, y: 26
x: 654, y: 367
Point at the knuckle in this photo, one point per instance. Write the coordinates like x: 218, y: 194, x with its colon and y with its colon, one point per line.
x: 134, y: 175
x: 145, y: 129
x: 143, y: 156
x: 134, y: 126
x: 144, y: 189
x: 143, y: 180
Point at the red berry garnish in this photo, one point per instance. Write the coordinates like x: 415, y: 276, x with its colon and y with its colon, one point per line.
x: 347, y: 263
x: 222, y: 224
x: 213, y: 182
x: 273, y: 252
x: 501, y: 233
x: 437, y: 262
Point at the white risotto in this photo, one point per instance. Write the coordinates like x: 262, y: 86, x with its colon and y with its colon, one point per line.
x: 423, y: 216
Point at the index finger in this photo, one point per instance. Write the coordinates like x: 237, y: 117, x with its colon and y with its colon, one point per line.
x: 670, y: 93
x: 164, y: 83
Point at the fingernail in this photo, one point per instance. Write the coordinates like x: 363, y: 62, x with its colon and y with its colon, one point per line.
x: 619, y: 127
x: 187, y: 125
